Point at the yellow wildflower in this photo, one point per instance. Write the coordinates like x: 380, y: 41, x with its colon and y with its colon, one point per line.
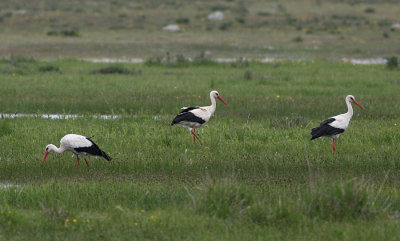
x: 74, y: 220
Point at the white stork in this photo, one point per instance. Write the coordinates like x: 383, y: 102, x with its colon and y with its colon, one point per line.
x: 336, y: 125
x: 79, y: 145
x: 194, y: 117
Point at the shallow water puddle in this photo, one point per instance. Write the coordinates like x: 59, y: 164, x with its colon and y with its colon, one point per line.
x: 232, y: 60
x: 139, y: 60
x: 8, y: 185
x: 225, y: 60
x: 56, y: 116
x: 110, y: 60
x: 74, y: 116
x: 366, y: 61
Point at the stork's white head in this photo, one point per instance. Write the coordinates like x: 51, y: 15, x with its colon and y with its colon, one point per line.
x: 49, y: 148
x: 214, y: 94
x: 351, y: 99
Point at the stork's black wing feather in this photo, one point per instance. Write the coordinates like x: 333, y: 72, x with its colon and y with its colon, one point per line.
x: 327, y: 121
x: 325, y: 129
x: 186, y: 115
x: 94, y: 150
x: 187, y: 109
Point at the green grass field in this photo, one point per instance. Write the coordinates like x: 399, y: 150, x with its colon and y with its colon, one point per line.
x: 257, y: 175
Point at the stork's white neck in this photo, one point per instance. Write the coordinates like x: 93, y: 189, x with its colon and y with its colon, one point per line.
x: 56, y: 149
x: 349, y: 109
x: 213, y: 105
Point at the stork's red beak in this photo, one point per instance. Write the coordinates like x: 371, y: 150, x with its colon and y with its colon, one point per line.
x: 355, y: 102
x: 44, y: 157
x: 223, y: 101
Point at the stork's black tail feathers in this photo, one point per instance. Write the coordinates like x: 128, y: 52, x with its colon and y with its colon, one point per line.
x: 94, y: 150
x: 107, y: 157
x: 316, y: 132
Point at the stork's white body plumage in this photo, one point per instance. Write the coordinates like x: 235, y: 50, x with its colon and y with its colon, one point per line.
x: 341, y: 121
x: 72, y: 141
x: 194, y: 117
x: 334, y: 126
x: 204, y: 113
x: 79, y: 145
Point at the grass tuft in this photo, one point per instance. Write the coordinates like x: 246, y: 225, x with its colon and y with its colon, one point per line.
x: 353, y: 199
x: 202, y: 59
x: 49, y: 68
x: 54, y: 213
x: 224, y: 199
x: 276, y: 213
x: 154, y: 61
x: 298, y: 39
x: 392, y: 63
x: 225, y: 25
x: 116, y: 69
x: 179, y: 60
x: 240, y: 62
x: 64, y: 33
x: 18, y: 59
x: 248, y: 74
x: 369, y: 10
x: 182, y: 20
x: 5, y: 128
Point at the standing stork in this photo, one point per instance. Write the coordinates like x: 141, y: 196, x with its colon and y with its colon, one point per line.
x: 336, y: 125
x: 79, y: 145
x: 194, y: 117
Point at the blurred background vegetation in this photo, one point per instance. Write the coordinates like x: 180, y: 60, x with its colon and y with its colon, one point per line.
x: 280, y: 28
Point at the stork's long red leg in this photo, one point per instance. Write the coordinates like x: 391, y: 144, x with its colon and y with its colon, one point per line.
x: 194, y: 135
x: 334, y: 145
x: 77, y: 160
x: 87, y: 163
